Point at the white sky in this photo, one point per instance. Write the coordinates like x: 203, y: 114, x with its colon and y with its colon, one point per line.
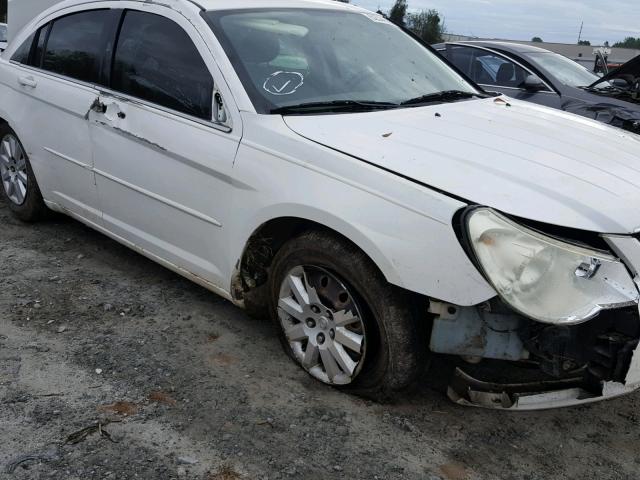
x: 553, y: 20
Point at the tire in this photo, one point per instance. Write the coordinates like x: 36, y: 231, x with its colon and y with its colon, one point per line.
x: 393, y: 322
x: 15, y: 173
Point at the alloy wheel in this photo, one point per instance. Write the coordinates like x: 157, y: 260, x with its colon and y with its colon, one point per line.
x: 323, y: 324
x: 13, y: 169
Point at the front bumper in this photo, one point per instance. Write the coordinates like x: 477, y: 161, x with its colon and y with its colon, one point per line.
x: 465, y: 389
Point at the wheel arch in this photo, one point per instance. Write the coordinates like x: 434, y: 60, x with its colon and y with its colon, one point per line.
x: 264, y: 241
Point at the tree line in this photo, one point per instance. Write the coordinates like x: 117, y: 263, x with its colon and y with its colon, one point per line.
x: 426, y: 24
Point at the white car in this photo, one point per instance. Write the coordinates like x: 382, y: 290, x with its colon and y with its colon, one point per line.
x: 310, y: 160
x: 3, y: 37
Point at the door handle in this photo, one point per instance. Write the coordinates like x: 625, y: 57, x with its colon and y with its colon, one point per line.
x: 27, y: 82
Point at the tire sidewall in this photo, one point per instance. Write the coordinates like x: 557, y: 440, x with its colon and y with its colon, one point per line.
x: 374, y: 296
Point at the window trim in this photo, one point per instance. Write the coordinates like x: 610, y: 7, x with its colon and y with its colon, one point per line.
x: 225, y: 127
x: 509, y: 59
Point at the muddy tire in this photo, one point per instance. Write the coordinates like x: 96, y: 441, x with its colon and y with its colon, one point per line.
x: 356, y: 307
x: 18, y: 185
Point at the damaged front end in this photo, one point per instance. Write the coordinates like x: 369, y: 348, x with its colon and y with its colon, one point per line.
x: 623, y: 84
x: 564, y: 329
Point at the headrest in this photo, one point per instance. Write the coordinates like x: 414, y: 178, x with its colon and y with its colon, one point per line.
x: 506, y: 72
x: 258, y: 46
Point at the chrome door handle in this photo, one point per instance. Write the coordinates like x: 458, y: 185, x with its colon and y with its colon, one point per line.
x: 27, y: 82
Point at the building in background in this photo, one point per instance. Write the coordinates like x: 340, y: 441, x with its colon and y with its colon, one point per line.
x: 3, y: 11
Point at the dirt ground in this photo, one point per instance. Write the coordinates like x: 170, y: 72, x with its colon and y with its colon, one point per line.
x: 91, y: 332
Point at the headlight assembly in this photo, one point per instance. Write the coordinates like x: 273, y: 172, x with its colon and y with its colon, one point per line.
x: 546, y: 279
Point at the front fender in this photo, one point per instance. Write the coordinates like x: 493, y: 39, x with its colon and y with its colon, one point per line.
x: 405, y: 228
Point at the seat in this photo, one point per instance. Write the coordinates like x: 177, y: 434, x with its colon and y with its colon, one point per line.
x: 506, y: 75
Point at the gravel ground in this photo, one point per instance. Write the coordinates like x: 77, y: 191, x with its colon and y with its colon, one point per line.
x: 174, y: 382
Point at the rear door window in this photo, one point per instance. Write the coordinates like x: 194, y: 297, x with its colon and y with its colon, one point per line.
x: 21, y: 55
x: 155, y: 60
x: 76, y: 44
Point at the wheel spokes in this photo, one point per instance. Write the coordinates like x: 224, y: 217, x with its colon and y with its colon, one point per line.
x: 20, y: 191
x: 292, y: 308
x: 343, y: 359
x: 296, y: 332
x: 5, y: 174
x: 298, y: 290
x: 349, y: 339
x: 329, y: 363
x: 6, y: 147
x: 344, y: 318
x: 310, y: 358
x: 5, y: 160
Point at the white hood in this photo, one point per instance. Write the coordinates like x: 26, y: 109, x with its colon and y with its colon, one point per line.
x: 525, y: 160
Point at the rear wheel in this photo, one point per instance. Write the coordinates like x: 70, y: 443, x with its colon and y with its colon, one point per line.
x: 341, y: 321
x: 18, y: 182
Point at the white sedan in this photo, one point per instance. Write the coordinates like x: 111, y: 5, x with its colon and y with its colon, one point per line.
x: 3, y: 36
x: 310, y: 161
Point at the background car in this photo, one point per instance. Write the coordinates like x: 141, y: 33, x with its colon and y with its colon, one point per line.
x: 546, y: 78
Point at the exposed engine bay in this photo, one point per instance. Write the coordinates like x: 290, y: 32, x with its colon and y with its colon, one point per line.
x: 622, y: 83
x: 512, y: 362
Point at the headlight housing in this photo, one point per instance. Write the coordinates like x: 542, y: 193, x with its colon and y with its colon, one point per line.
x: 544, y: 278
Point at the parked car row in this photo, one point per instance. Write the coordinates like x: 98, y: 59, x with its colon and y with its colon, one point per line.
x: 536, y: 75
x: 312, y: 162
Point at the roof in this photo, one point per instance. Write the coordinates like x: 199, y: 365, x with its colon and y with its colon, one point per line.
x: 509, y: 46
x: 246, y: 4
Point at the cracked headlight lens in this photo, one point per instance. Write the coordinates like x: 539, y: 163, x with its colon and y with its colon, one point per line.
x: 544, y: 278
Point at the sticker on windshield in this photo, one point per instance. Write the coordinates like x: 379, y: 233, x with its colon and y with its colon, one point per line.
x: 283, y: 83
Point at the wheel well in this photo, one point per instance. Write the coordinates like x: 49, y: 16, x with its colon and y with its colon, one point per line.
x: 260, y: 250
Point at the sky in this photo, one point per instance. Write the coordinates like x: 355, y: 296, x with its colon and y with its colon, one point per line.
x: 552, y: 20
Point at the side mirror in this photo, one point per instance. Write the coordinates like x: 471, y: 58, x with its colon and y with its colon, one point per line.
x: 619, y: 83
x: 533, y: 83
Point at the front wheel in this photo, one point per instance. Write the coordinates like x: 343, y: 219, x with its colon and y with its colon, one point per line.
x: 341, y: 321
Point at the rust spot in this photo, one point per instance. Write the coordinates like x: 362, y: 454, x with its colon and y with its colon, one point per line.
x: 161, y: 397
x: 120, y: 408
x: 223, y: 359
x: 454, y: 471
x: 225, y: 473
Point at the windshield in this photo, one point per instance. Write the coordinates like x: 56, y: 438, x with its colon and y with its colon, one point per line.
x: 564, y: 69
x: 3, y: 33
x: 301, y: 56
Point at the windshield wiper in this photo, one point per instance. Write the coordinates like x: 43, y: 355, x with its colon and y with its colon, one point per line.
x: 334, y: 105
x: 444, y: 96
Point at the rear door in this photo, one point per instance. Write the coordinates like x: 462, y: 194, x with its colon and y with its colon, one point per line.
x: 56, y: 72
x: 163, y: 144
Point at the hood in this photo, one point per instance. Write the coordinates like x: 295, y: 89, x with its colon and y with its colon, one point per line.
x: 632, y: 67
x: 522, y: 159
